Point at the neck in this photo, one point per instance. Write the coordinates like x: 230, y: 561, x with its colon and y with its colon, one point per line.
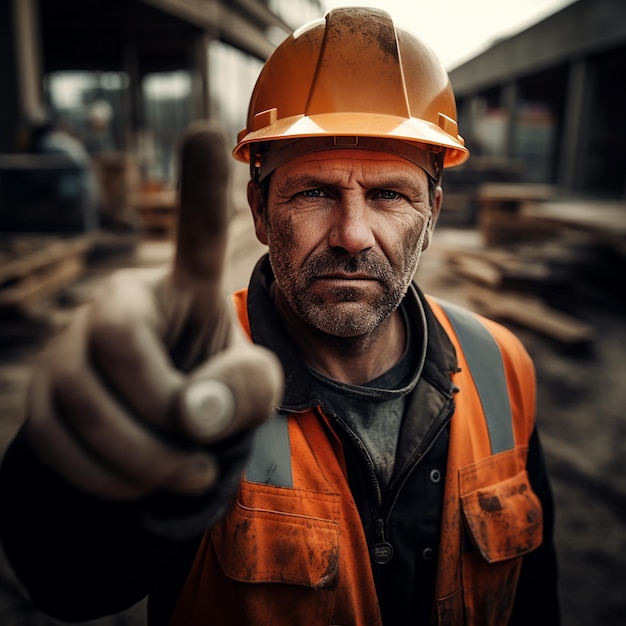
x: 352, y: 360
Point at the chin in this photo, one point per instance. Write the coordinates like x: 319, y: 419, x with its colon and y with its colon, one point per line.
x: 349, y: 319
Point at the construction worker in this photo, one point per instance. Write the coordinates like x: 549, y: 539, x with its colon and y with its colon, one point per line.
x: 370, y: 457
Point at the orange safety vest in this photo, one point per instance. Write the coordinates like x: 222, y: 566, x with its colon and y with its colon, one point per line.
x: 292, y: 548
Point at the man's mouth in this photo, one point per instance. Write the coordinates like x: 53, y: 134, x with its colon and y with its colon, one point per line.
x: 347, y: 277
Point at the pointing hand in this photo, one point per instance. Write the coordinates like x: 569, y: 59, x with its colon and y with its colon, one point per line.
x: 130, y: 397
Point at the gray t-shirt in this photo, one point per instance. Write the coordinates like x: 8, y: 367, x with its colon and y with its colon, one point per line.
x: 374, y: 411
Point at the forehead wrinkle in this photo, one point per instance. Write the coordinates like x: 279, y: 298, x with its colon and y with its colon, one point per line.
x: 304, y: 180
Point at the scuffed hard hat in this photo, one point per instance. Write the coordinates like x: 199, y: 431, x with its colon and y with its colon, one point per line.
x: 352, y: 79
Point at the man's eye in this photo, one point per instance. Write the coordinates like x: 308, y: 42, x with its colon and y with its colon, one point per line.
x: 387, y: 194
x: 313, y: 193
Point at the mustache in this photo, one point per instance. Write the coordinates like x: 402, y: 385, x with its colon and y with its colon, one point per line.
x: 329, y: 262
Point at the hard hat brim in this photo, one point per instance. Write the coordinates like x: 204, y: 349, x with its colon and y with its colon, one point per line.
x: 341, y: 124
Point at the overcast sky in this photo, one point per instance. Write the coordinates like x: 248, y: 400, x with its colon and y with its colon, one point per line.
x: 457, y: 30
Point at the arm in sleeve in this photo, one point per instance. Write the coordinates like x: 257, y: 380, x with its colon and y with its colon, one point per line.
x: 81, y: 557
x: 537, y: 600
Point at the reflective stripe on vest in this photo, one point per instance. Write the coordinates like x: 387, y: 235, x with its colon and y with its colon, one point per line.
x: 487, y: 369
x: 270, y: 461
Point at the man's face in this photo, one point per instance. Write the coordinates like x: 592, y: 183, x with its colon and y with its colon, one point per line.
x: 345, y: 230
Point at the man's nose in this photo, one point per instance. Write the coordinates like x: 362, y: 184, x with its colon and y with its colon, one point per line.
x: 351, y: 228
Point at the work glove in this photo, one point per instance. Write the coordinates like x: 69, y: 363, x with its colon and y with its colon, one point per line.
x: 155, y: 373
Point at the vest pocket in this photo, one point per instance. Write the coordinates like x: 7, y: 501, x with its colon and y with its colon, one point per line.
x: 280, y: 535
x: 504, y: 518
x: 450, y: 610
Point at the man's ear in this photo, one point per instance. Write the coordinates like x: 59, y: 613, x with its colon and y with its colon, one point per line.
x: 434, y: 214
x: 258, y: 207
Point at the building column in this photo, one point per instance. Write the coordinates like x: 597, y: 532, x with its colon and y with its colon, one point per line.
x: 9, y: 104
x: 509, y: 103
x: 199, y: 99
x: 28, y: 58
x: 574, y: 135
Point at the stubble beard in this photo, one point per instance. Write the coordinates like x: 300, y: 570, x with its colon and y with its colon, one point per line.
x: 343, y: 311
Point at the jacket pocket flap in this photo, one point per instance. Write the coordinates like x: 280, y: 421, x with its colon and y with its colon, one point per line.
x: 263, y: 539
x: 505, y: 519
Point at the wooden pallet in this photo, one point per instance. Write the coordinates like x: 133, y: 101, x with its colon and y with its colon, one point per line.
x: 34, y: 267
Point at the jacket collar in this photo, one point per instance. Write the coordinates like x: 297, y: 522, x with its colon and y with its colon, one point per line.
x: 268, y: 330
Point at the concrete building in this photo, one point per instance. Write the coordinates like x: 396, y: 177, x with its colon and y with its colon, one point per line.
x: 550, y: 101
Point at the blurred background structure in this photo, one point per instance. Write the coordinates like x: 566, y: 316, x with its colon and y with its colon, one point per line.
x: 97, y: 93
x: 546, y: 106
x: 125, y: 77
x: 550, y: 99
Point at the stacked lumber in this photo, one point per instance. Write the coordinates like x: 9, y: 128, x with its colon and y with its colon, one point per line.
x: 501, y: 218
x: 600, y: 222
x: 34, y: 267
x: 507, y: 283
x: 498, y: 268
x: 532, y: 312
x: 538, y: 244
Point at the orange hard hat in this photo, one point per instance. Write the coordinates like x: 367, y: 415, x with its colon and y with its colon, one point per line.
x: 351, y: 79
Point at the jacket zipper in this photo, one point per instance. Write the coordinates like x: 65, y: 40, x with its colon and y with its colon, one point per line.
x: 371, y: 468
x: 381, y: 550
x: 395, y: 487
x: 427, y: 443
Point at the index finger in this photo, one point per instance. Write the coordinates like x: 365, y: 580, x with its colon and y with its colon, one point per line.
x: 203, y: 218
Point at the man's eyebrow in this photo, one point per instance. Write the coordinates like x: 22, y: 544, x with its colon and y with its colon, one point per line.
x: 308, y: 181
x: 399, y: 180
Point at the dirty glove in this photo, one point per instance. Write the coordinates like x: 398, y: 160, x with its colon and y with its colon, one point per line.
x: 149, y: 377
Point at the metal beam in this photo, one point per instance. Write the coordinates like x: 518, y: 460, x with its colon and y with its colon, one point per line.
x: 225, y: 23
x: 28, y: 59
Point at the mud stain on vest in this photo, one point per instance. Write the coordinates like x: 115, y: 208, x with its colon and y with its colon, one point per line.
x: 489, y: 503
x: 241, y: 527
x: 330, y: 577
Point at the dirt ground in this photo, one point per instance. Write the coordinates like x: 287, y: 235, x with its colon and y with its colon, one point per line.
x: 582, y: 395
